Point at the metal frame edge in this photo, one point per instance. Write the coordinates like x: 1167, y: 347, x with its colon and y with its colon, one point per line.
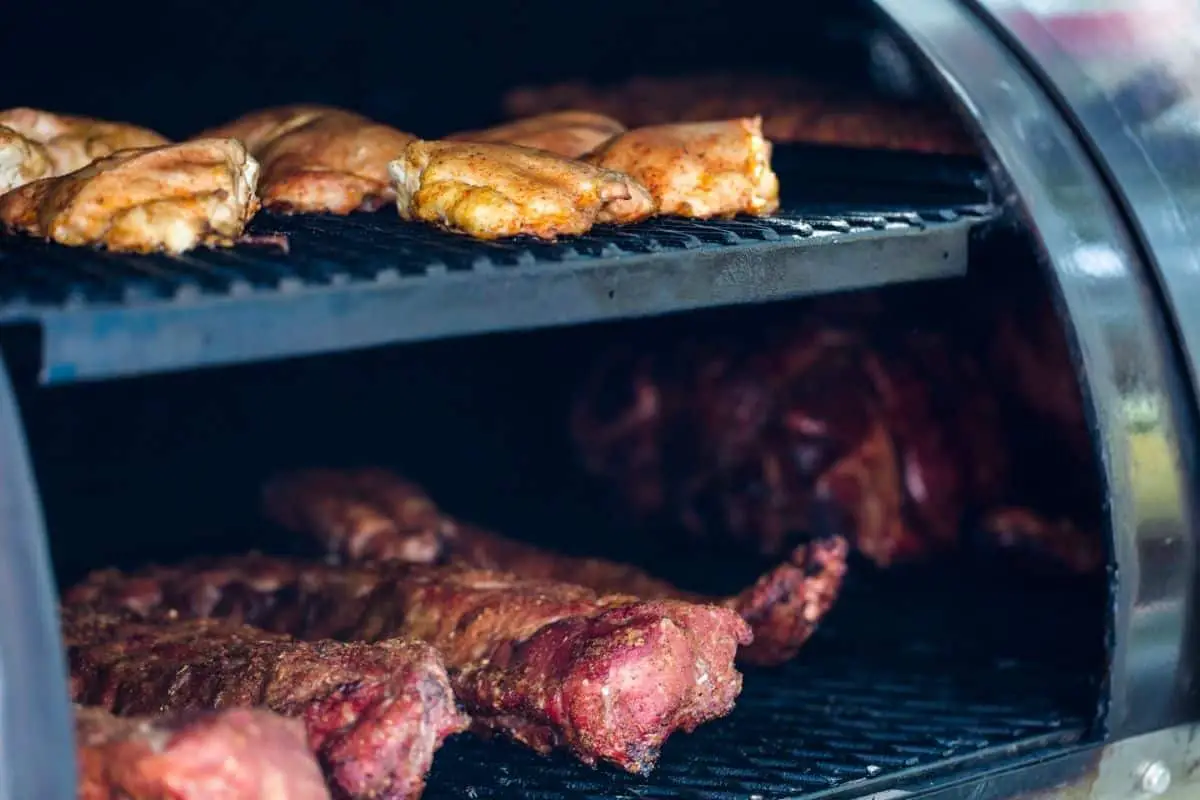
x: 1133, y: 383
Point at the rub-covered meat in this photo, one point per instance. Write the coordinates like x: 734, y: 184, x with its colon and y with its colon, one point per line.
x: 699, y: 169
x: 372, y: 515
x: 491, y: 191
x: 1056, y: 541
x: 888, y: 431
x: 74, y: 142
x: 779, y: 435
x: 766, y: 437
x: 171, y: 198
x: 239, y: 754
x: 21, y: 160
x: 793, y: 109
x: 259, y: 128
x: 569, y: 134
x: 550, y: 665
x: 318, y: 159
x: 375, y: 713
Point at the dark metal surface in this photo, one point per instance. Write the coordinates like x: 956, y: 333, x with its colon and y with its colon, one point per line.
x: 1039, y: 776
x: 1139, y: 413
x: 1163, y: 764
x: 373, y: 279
x: 37, y: 756
x: 851, y: 219
x: 911, y: 680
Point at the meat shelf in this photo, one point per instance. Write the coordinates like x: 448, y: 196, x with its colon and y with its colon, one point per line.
x: 849, y: 220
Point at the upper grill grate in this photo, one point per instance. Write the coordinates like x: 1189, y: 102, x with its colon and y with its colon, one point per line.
x: 371, y: 279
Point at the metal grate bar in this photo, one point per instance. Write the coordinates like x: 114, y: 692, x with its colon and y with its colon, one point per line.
x: 371, y: 279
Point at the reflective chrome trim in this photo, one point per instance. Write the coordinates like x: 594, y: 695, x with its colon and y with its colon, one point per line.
x: 1129, y: 75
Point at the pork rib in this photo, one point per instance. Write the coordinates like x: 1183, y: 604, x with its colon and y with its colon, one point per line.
x: 374, y: 713
x: 371, y: 515
x: 548, y: 664
x: 240, y: 754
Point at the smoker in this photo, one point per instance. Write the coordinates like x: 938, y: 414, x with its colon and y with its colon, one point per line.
x: 145, y: 399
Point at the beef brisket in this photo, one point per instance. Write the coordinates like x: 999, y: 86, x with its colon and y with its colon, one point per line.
x: 374, y: 713
x: 548, y: 664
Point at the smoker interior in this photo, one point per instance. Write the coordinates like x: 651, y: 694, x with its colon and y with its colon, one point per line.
x: 918, y: 674
x: 423, y: 67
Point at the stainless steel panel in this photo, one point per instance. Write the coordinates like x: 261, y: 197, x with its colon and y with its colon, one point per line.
x: 1140, y: 409
x: 1128, y: 72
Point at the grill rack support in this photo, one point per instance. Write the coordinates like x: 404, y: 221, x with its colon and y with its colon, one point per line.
x: 371, y: 279
x: 37, y: 756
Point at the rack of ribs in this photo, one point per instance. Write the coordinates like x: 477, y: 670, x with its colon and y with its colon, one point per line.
x: 371, y: 515
x: 374, y: 713
x: 239, y: 754
x: 608, y: 678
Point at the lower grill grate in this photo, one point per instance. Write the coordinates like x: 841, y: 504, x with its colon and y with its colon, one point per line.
x: 899, y: 682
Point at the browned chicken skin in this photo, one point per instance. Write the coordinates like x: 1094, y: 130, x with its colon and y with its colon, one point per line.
x: 569, y: 134
x: 21, y: 160
x: 701, y: 169
x: 259, y: 128
x: 317, y: 159
x: 74, y: 142
x: 374, y: 516
x: 171, y: 198
x: 491, y: 191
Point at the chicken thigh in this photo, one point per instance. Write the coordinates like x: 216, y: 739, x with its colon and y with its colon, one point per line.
x: 170, y: 198
x: 317, y: 159
x: 569, y: 134
x: 74, y: 142
x: 699, y: 169
x: 21, y: 160
x: 491, y: 191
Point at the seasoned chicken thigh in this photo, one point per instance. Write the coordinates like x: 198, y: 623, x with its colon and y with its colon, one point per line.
x: 21, y: 160
x: 259, y: 128
x: 494, y: 190
x: 317, y: 159
x: 170, y: 198
x: 74, y: 142
x: 698, y: 169
x: 569, y: 134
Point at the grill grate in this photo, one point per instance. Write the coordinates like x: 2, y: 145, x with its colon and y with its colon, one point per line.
x: 379, y: 248
x: 901, y: 683
x: 372, y: 279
